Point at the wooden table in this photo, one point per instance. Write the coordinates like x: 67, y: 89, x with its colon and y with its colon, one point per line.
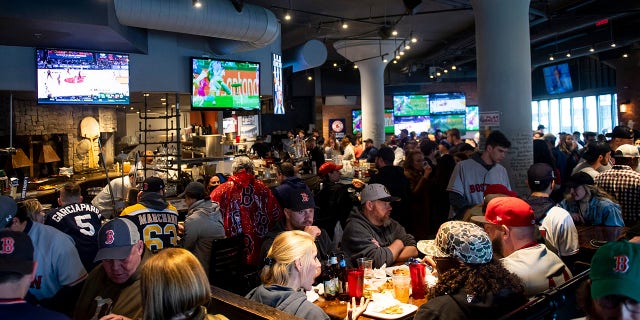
x: 592, y: 237
x: 337, y: 309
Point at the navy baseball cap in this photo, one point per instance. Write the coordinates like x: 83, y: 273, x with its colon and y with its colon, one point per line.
x: 299, y: 200
x: 8, y: 209
x: 152, y: 184
x: 194, y: 190
x: 116, y: 238
x: 16, y: 252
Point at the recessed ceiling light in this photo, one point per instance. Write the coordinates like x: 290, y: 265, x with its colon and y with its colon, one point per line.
x: 394, y: 32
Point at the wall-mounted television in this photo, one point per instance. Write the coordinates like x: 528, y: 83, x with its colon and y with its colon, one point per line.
x: 411, y: 105
x: 472, y: 118
x: 278, y: 92
x: 447, y: 122
x: 417, y: 124
x: 557, y: 78
x: 225, y: 84
x: 447, y: 103
x: 82, y: 77
x: 356, y: 116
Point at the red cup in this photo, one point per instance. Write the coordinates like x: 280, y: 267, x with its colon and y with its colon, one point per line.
x: 355, y: 282
x: 418, y: 272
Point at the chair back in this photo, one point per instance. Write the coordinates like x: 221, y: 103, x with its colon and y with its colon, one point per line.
x: 227, y: 269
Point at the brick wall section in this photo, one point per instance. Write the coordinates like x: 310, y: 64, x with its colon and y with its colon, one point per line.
x: 32, y: 119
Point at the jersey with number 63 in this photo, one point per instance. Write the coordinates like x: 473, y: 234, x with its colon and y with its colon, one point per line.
x: 81, y: 221
x: 156, y: 219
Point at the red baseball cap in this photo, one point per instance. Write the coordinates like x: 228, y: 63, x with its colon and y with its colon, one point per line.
x: 508, y: 211
x: 328, y: 167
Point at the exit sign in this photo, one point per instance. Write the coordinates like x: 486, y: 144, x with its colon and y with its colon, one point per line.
x: 602, y: 22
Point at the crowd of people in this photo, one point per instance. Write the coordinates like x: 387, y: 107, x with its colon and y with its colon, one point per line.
x: 493, y: 248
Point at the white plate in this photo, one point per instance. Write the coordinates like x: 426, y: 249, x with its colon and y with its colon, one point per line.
x: 389, y: 270
x: 373, y: 310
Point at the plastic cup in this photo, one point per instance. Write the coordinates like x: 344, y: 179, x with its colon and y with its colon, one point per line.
x: 401, y: 285
x: 355, y: 282
x: 418, y: 273
x: 366, y: 265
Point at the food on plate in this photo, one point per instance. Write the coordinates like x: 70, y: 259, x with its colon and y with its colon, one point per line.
x: 357, y: 183
x: 400, y: 272
x: 46, y: 187
x: 395, y: 309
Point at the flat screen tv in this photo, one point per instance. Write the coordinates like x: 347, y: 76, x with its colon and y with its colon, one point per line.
x: 225, y: 84
x: 447, y: 103
x: 447, y: 122
x: 412, y: 105
x: 356, y: 116
x: 472, y: 118
x: 557, y: 78
x: 417, y: 124
x: 278, y: 92
x: 82, y: 77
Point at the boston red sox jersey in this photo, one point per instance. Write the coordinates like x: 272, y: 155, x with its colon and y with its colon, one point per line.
x: 58, y: 262
x: 469, y: 178
x: 539, y: 268
x: 561, y: 232
x: 81, y: 221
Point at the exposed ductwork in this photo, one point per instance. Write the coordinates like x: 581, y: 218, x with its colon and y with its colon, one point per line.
x: 217, y: 18
x: 310, y: 54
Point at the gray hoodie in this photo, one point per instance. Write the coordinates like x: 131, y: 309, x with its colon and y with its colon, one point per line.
x: 202, y: 225
x: 287, y: 300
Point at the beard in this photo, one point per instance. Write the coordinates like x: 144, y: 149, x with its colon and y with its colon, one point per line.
x: 497, y: 248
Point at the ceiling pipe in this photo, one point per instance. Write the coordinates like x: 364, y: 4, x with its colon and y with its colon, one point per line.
x: 310, y: 54
x: 216, y: 18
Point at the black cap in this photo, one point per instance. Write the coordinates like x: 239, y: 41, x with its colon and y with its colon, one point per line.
x: 539, y: 172
x: 386, y: 154
x: 579, y: 179
x: 622, y: 132
x: 16, y: 252
x: 194, y: 190
x: 152, y: 184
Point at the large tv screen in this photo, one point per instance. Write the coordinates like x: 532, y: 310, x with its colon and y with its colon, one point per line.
x: 417, y: 124
x: 557, y: 79
x: 447, y: 103
x: 472, y: 118
x: 356, y: 116
x: 414, y: 105
x: 445, y: 123
x: 225, y: 84
x: 82, y: 77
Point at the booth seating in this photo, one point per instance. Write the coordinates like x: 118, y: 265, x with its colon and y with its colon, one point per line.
x: 234, y: 306
x: 227, y: 269
x: 554, y: 303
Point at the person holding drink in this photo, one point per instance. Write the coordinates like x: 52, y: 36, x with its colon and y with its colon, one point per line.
x: 472, y: 283
x: 291, y: 264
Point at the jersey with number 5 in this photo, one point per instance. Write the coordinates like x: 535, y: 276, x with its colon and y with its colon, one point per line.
x: 81, y: 221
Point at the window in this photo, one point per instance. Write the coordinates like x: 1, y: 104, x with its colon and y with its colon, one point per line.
x: 578, y: 114
x: 604, y: 112
x: 591, y: 113
x: 565, y: 115
x: 554, y: 112
x: 534, y: 115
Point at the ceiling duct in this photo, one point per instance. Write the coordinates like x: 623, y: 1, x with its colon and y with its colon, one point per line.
x: 216, y: 18
x: 310, y: 54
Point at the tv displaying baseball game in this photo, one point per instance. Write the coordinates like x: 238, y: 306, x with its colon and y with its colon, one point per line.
x: 225, y: 84
x: 356, y: 116
x: 447, y: 103
x: 82, y: 77
x: 411, y: 105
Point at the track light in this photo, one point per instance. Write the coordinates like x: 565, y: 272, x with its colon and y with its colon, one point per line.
x: 355, y: 66
x: 438, y: 74
x: 394, y: 33
x: 335, y: 64
x: 395, y: 61
x: 613, y: 44
x: 592, y: 49
x: 551, y: 58
x: 344, y: 25
x: 414, y: 39
x: 624, y: 55
x: 196, y: 3
x: 568, y: 54
x: 287, y: 16
x: 309, y: 77
x: 384, y: 60
x: 445, y: 71
x: 453, y: 67
x: 397, y: 56
x: 407, y: 47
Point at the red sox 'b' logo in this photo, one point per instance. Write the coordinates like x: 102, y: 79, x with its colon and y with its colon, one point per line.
x: 305, y: 197
x: 622, y: 264
x: 7, y: 245
x: 110, y: 238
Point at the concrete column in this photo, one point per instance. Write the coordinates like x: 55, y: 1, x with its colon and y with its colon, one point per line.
x: 367, y: 54
x: 504, y: 78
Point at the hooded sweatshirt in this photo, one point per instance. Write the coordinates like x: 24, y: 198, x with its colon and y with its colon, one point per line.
x: 202, y: 225
x: 287, y: 300
x: 459, y: 307
x: 358, y: 236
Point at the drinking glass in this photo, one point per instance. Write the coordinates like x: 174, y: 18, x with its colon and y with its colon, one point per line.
x: 401, y: 285
x: 355, y: 282
x: 366, y: 265
x: 417, y: 271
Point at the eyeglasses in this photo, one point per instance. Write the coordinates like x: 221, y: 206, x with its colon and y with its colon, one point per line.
x: 613, y: 302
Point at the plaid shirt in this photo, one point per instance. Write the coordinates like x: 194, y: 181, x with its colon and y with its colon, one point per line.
x: 624, y: 184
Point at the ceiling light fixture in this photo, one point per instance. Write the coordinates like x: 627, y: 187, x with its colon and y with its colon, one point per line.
x: 613, y: 44
x: 414, y: 39
x: 453, y: 67
x: 394, y: 33
x: 355, y: 66
x: 551, y: 58
x: 438, y: 74
x: 445, y: 71
x: 287, y: 16
x: 309, y: 77
x: 624, y: 55
x: 397, y: 56
x: 568, y: 54
x: 196, y: 3
x: 402, y: 53
x: 335, y: 64
x: 344, y: 25
x: 395, y: 61
x: 592, y: 49
x: 407, y: 47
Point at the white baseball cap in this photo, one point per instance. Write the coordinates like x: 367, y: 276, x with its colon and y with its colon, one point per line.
x: 376, y: 191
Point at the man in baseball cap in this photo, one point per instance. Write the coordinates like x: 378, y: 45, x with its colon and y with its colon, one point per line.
x: 299, y: 210
x: 334, y: 199
x: 17, y: 271
x: 114, y: 285
x: 152, y: 210
x: 511, y: 226
x: 615, y: 278
x: 372, y: 233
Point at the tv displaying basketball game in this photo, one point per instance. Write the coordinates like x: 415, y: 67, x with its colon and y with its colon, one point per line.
x: 82, y: 77
x: 225, y: 84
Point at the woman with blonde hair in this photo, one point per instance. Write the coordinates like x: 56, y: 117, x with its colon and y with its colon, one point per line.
x: 348, y: 152
x: 174, y: 286
x: 291, y: 265
x: 34, y: 210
